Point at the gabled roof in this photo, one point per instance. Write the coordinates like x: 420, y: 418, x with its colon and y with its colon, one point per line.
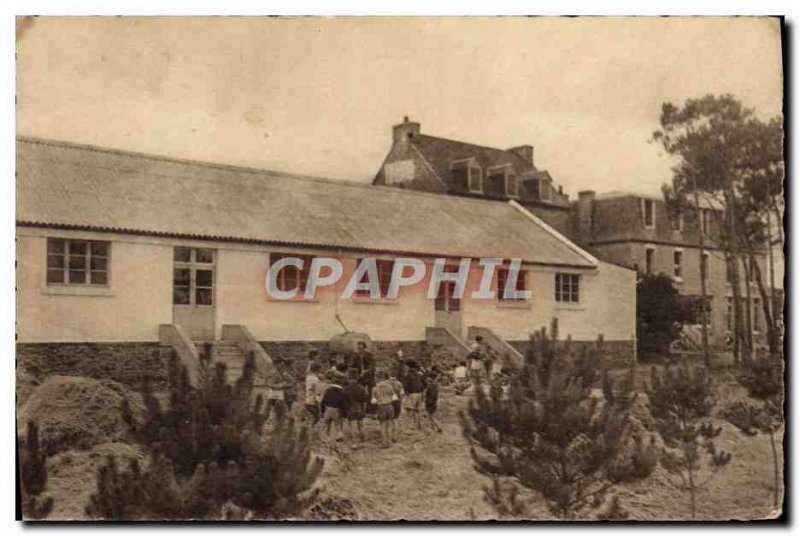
x: 440, y: 153
x: 74, y: 186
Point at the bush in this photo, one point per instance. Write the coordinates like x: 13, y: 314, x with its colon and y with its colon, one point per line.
x: 79, y: 413
x: 556, y: 434
x: 209, y: 456
x: 660, y: 314
x: 34, y: 477
x: 680, y: 402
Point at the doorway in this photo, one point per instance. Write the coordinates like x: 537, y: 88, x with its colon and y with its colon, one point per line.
x: 193, y: 282
x: 447, y: 309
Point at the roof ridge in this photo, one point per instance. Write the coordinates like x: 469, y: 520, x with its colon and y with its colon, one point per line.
x: 506, y: 151
x: 231, y: 167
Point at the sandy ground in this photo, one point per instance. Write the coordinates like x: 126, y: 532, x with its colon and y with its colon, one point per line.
x: 429, y: 476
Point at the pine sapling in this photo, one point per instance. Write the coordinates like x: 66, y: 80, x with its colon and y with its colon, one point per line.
x: 762, y: 377
x: 34, y: 476
x: 680, y: 401
x: 558, y: 434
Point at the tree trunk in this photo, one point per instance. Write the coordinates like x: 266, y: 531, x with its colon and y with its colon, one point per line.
x: 748, y: 311
x: 769, y: 317
x: 733, y: 250
x: 691, y: 491
x: 703, y: 274
x: 775, y: 471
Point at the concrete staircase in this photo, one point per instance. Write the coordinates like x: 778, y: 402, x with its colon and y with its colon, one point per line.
x: 440, y: 337
x: 511, y: 356
x: 227, y: 352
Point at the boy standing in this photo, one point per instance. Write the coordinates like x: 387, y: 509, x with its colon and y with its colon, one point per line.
x: 313, y: 391
x: 432, y: 398
x: 332, y: 402
x: 398, y: 403
x: 383, y: 394
x: 355, y: 403
x: 414, y: 386
x: 460, y: 381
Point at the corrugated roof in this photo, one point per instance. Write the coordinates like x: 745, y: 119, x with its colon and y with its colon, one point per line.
x: 62, y: 184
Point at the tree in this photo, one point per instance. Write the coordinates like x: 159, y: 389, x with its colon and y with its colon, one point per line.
x: 680, y: 402
x: 660, y: 313
x: 726, y: 158
x: 555, y: 434
x: 34, y: 476
x: 209, y: 452
x: 763, y: 380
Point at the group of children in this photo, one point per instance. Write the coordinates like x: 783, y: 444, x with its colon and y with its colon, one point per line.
x: 352, y: 390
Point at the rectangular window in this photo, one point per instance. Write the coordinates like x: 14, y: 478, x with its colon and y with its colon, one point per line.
x: 756, y: 314
x: 704, y: 266
x: 475, y: 179
x: 568, y: 288
x: 649, y: 213
x: 290, y: 277
x: 512, y: 185
x: 705, y: 220
x: 544, y: 190
x: 649, y: 260
x: 502, y: 278
x: 77, y: 262
x: 193, y: 276
x: 385, y: 268
x: 729, y: 313
x: 677, y: 256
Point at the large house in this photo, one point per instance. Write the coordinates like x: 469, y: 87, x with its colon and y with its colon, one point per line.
x: 639, y: 231
x: 626, y: 229
x: 126, y: 252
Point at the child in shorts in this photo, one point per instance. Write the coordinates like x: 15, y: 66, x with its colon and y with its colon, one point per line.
x: 355, y: 401
x: 331, y: 404
x: 383, y: 394
x: 432, y: 398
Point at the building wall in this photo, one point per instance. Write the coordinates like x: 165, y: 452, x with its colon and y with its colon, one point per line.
x: 140, y: 298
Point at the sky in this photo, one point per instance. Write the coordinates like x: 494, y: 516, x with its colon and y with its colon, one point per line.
x: 318, y: 96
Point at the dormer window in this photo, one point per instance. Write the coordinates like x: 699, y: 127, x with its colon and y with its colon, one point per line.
x: 502, y: 181
x: 544, y: 189
x: 467, y: 175
x: 475, y: 179
x: 512, y: 185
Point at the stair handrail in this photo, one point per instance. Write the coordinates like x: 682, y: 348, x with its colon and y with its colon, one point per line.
x: 175, y: 336
x: 248, y: 344
x: 514, y: 355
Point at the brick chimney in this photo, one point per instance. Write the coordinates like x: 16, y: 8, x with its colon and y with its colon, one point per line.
x: 585, y: 215
x: 523, y: 151
x: 405, y: 131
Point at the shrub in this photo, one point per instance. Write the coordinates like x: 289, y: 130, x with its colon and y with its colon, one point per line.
x: 34, y: 477
x: 660, y: 314
x: 763, y: 380
x: 210, y: 456
x: 555, y: 434
x: 680, y: 402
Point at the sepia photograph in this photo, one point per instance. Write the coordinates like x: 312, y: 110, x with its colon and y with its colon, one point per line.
x: 394, y: 268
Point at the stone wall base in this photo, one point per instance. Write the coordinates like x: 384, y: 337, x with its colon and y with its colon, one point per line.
x: 129, y: 363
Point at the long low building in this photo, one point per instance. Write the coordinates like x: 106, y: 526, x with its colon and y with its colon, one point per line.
x: 114, y: 247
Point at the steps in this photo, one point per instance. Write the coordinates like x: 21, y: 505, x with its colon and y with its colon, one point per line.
x: 230, y: 353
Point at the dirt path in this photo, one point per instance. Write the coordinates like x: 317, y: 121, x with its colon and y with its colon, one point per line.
x: 425, y: 475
